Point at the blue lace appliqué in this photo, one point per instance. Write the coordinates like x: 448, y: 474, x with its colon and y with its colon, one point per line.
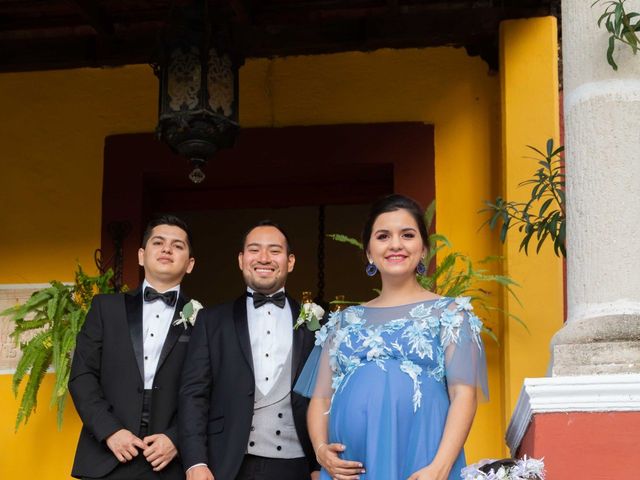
x: 417, y: 341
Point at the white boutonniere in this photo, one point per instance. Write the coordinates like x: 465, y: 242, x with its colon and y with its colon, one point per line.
x: 310, y: 315
x: 189, y: 313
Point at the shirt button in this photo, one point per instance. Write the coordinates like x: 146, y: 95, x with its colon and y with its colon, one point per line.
x: 268, y: 332
x: 146, y: 358
x: 157, y: 316
x: 253, y: 428
x: 152, y: 334
x: 268, y: 313
x: 266, y: 354
x: 266, y: 378
x: 279, y: 415
x: 277, y: 432
x: 278, y: 448
x: 251, y: 444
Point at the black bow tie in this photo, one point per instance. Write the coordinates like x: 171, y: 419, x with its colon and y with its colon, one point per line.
x: 259, y: 299
x: 151, y: 295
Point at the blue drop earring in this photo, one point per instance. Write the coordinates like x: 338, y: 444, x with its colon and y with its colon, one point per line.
x: 371, y: 269
x: 421, y: 269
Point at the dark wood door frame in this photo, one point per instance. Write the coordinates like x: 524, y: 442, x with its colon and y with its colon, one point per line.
x: 268, y: 167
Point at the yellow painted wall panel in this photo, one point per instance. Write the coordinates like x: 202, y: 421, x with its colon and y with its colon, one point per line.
x: 530, y: 115
x: 38, y: 450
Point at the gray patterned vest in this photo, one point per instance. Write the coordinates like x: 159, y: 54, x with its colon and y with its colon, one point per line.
x: 273, y: 432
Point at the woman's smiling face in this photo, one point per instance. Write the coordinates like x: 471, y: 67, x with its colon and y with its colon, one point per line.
x: 395, y: 246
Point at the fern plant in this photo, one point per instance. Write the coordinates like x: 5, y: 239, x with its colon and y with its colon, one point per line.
x: 456, y: 274
x: 54, y: 317
x: 621, y: 25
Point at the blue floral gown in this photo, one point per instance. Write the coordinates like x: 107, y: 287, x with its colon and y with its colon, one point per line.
x: 386, y: 370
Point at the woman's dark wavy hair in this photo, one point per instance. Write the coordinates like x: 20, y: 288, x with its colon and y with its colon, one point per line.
x: 392, y: 203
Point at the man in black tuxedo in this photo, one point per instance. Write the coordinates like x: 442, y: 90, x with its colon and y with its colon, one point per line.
x: 238, y: 418
x: 126, y: 367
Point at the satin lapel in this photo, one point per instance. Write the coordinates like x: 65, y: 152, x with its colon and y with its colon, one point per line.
x: 133, y: 303
x: 242, y: 329
x: 174, y: 331
x: 298, y: 341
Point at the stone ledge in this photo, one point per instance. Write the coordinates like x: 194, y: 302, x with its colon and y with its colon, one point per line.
x: 596, y: 346
x: 588, y: 393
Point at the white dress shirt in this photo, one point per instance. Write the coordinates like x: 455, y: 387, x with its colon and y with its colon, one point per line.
x: 156, y: 321
x: 271, y: 333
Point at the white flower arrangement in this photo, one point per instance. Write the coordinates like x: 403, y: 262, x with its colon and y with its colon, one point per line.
x: 310, y: 315
x: 188, y: 314
x: 507, y: 469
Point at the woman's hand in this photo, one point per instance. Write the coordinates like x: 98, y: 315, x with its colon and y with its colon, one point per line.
x: 327, y: 455
x: 430, y: 472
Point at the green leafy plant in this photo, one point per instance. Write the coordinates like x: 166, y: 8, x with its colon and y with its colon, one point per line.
x: 51, y: 318
x: 456, y: 274
x: 620, y: 26
x: 543, y: 216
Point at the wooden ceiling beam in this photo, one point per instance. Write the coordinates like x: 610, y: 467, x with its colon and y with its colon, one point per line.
x: 96, y: 16
x: 122, y: 37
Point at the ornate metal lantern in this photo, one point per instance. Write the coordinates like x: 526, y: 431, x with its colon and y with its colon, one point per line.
x: 198, y: 73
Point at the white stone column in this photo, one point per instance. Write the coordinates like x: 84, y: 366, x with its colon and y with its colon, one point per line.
x: 602, y: 139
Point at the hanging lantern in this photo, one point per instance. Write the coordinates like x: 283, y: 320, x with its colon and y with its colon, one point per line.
x: 198, y: 74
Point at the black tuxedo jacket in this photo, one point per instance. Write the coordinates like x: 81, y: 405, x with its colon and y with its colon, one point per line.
x: 107, y: 381
x: 218, y: 386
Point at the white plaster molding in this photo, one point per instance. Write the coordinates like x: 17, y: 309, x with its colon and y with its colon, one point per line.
x: 597, y: 310
x: 622, y: 90
x: 26, y: 286
x: 588, y: 393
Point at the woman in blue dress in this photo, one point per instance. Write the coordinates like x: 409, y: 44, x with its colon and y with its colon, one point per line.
x: 394, y: 382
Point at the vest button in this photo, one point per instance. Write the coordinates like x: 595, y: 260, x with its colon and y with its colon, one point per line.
x: 277, y: 432
x: 253, y: 428
x: 251, y: 444
x: 279, y: 415
x: 250, y: 392
x: 278, y: 448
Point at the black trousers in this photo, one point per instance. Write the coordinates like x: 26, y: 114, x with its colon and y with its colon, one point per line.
x: 140, y: 469
x: 262, y: 468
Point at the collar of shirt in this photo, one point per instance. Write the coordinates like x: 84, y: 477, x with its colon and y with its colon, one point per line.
x: 145, y: 284
x: 250, y: 299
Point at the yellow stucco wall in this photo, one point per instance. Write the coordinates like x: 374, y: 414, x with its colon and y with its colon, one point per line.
x: 530, y: 115
x: 52, y: 163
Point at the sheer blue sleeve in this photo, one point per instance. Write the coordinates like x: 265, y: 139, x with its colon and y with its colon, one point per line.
x: 315, y: 380
x: 306, y: 382
x: 464, y: 356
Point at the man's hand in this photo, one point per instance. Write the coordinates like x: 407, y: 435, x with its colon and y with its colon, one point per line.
x: 201, y: 472
x: 159, y: 450
x: 124, y: 445
x: 337, y: 468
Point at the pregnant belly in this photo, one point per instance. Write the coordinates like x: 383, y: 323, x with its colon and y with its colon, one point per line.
x: 372, y: 395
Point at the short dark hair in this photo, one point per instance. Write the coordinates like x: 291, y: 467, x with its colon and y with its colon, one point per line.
x: 391, y: 203
x: 267, y: 223
x: 168, y: 219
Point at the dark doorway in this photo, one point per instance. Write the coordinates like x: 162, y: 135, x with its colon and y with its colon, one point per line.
x: 281, y: 173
